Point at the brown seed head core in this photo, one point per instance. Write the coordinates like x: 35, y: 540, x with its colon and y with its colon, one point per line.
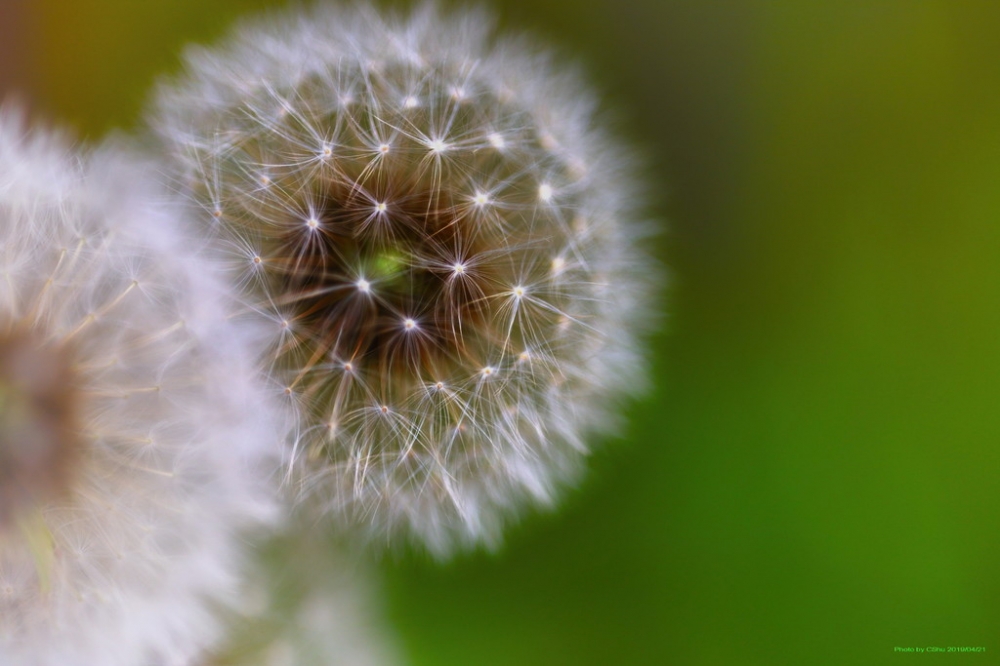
x: 39, y: 439
x: 380, y: 292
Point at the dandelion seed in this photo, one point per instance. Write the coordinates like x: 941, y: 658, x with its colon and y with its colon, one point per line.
x: 444, y: 473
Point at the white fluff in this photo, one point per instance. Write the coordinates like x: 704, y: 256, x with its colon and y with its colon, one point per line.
x: 145, y: 540
x: 308, y: 603
x: 445, y: 243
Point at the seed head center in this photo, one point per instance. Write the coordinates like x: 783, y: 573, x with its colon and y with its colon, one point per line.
x: 379, y: 287
x: 40, y: 442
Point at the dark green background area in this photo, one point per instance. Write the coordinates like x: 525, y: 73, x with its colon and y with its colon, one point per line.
x: 814, y: 478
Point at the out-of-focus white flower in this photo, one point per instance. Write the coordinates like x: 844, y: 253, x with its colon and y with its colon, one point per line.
x: 447, y: 246
x: 128, y: 446
x: 308, y: 603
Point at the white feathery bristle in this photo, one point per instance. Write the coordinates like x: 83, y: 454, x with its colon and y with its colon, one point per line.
x: 459, y: 181
x: 157, y: 460
x: 323, y: 611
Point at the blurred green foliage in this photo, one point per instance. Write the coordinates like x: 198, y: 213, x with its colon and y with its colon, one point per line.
x: 814, y: 479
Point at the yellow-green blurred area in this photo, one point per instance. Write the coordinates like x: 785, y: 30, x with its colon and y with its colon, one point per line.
x: 815, y: 478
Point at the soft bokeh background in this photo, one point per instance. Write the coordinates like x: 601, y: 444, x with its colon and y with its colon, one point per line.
x: 816, y: 477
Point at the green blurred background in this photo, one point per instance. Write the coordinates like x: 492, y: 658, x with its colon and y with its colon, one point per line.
x: 814, y: 478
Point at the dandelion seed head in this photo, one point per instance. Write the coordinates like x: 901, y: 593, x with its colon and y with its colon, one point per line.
x: 479, y: 257
x: 123, y: 415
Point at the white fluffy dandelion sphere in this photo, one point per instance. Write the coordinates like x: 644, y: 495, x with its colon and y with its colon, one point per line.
x: 126, y: 463
x: 446, y: 242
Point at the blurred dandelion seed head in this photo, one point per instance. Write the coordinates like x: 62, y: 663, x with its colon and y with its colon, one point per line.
x: 452, y: 239
x: 127, y: 446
